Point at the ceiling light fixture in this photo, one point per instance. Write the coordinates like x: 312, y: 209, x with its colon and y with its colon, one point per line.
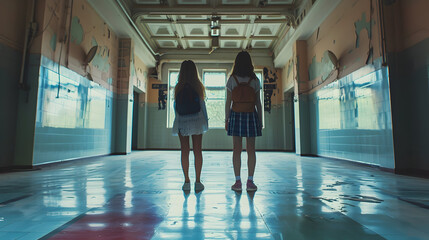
x: 214, y: 26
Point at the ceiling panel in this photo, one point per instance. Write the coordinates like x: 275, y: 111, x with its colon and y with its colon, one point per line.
x: 231, y: 43
x: 194, y: 17
x: 154, y: 17
x: 261, y: 43
x: 199, y: 43
x: 267, y: 29
x: 235, y: 2
x: 161, y: 29
x: 186, y: 24
x: 195, y: 2
x: 196, y: 29
x: 229, y: 17
x: 273, y: 17
x: 147, y: 1
x: 167, y: 43
x: 280, y: 1
x: 232, y: 30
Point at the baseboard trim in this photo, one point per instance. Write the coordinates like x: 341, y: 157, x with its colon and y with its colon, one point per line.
x: 221, y: 150
x: 368, y: 165
x: 50, y: 164
x: 308, y: 155
x: 413, y: 172
x: 18, y: 169
x: 120, y: 153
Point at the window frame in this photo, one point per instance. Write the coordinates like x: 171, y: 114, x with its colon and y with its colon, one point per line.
x: 223, y: 70
x: 261, y: 94
x: 170, y: 101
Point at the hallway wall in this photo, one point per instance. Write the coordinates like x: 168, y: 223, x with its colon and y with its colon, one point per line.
x: 407, y: 31
x: 11, y: 44
x: 67, y: 109
x: 9, y: 74
x: 75, y: 102
x: 348, y: 118
x: 74, y: 116
x: 351, y: 119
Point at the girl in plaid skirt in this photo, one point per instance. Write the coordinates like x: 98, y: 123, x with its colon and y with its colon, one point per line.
x: 243, y: 115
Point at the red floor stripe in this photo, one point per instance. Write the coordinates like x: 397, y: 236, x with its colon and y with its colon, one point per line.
x: 114, y: 221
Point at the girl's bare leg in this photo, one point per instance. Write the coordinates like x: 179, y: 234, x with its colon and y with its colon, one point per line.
x: 184, y: 147
x: 198, y: 155
x: 236, y: 155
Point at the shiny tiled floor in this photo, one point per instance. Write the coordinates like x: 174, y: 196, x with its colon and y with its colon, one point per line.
x: 138, y: 196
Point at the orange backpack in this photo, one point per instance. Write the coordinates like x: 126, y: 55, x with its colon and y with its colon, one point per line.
x: 243, y: 97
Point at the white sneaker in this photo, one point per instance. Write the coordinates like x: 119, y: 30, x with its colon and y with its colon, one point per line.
x: 186, y: 186
x: 199, y: 186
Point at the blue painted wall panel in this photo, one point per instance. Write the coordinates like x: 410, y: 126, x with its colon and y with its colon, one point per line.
x: 352, y: 119
x: 74, y: 116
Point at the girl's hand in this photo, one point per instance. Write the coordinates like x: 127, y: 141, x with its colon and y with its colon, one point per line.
x: 226, y: 126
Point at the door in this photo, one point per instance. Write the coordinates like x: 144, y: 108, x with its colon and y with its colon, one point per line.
x: 135, y: 121
x: 289, y: 121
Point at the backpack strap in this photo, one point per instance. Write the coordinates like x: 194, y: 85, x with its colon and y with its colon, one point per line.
x: 238, y: 83
x: 236, y: 80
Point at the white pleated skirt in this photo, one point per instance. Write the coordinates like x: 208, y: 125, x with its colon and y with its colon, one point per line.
x: 192, y: 124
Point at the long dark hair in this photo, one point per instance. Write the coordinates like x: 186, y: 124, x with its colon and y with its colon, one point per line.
x: 243, y: 65
x: 189, y: 74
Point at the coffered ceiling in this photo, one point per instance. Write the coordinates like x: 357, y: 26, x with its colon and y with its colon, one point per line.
x: 209, y: 25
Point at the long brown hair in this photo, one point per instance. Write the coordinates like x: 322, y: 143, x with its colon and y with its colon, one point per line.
x: 189, y: 75
x: 243, y: 65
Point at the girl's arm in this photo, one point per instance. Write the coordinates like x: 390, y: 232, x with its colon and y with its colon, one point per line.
x: 227, y: 108
x: 259, y: 107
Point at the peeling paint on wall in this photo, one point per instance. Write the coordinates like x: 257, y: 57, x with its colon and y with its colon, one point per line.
x: 53, y: 42
x: 76, y: 31
x: 323, y: 68
x: 101, y: 59
x: 298, y: 77
x: 270, y: 83
x: 363, y: 24
x: 133, y: 67
x: 94, y: 42
x: 287, y: 75
x: 289, y: 67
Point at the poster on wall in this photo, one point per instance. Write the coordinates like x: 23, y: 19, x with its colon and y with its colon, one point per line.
x: 270, y: 83
x: 162, y: 96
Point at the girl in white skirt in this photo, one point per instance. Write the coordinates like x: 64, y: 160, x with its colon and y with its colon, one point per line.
x: 243, y: 116
x: 190, y: 119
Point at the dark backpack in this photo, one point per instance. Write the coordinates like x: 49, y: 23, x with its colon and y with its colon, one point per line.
x: 187, y: 101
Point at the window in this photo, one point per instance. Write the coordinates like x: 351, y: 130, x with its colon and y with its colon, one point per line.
x: 172, y: 80
x: 261, y: 94
x: 214, y: 82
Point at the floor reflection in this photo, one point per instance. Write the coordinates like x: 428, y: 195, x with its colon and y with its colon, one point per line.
x: 139, y: 196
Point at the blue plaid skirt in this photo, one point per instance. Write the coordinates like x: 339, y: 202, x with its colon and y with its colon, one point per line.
x: 244, y: 124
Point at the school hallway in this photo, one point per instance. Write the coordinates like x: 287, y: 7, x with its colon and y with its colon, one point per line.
x: 88, y: 111
x: 139, y: 196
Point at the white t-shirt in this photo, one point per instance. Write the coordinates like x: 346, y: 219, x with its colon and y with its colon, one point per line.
x: 231, y: 84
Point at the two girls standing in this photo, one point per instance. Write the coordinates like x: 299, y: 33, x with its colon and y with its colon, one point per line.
x: 243, y: 117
